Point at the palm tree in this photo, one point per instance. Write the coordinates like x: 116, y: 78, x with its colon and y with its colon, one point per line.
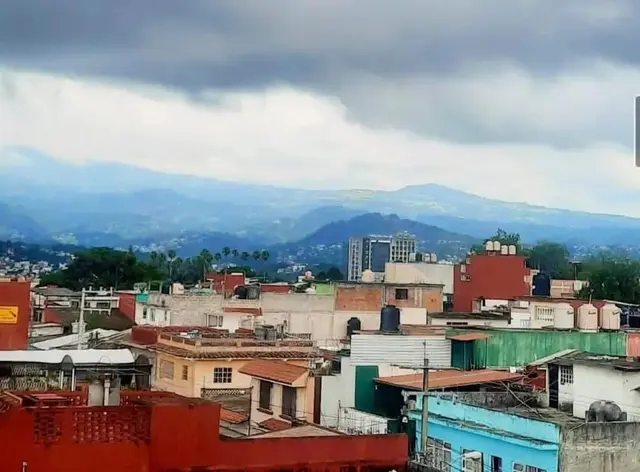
x: 226, y: 251
x: 217, y: 256
x: 245, y: 256
x: 171, y: 258
x: 206, y: 259
x: 257, y: 255
x: 234, y: 253
x: 264, y: 255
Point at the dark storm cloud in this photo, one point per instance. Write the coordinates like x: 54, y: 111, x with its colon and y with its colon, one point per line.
x: 199, y: 43
x: 327, y: 45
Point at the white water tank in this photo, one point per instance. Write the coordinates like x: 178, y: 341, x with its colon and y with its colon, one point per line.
x: 512, y: 250
x: 610, y: 317
x: 368, y: 276
x: 504, y: 250
x: 496, y: 245
x: 564, y: 316
x: 489, y: 246
x: 588, y: 317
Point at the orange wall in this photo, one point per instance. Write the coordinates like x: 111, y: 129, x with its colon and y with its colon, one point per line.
x: 365, y: 297
x: 15, y: 294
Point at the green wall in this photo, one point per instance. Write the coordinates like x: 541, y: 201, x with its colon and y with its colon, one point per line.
x: 365, y: 387
x: 510, y: 348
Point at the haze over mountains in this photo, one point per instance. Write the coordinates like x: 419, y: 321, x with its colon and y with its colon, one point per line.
x: 112, y: 204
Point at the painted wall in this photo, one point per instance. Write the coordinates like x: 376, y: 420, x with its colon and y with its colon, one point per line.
x: 469, y: 322
x: 15, y: 313
x: 514, y: 439
x: 153, y: 315
x: 633, y: 344
x: 304, y: 402
x: 352, y: 421
x: 420, y: 272
x: 509, y: 348
x: 189, y: 309
x: 372, y: 297
x: 375, y: 349
x: 500, y: 277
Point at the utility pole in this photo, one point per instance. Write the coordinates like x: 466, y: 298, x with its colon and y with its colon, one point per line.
x: 425, y: 403
x: 81, y: 318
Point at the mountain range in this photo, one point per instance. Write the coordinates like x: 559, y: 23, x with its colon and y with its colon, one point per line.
x: 43, y: 199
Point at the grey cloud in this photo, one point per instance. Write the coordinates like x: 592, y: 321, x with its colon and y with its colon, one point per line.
x: 331, y: 46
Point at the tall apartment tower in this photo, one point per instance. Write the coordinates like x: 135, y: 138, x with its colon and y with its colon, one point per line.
x: 373, y: 252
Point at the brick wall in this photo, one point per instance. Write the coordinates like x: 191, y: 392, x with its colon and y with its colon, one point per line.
x: 365, y: 297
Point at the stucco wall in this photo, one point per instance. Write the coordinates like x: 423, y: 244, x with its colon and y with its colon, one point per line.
x: 189, y: 309
x: 304, y: 402
x: 420, y: 272
x: 372, y: 297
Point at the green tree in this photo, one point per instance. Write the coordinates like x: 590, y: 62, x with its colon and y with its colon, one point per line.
x: 334, y: 274
x: 257, y: 255
x: 503, y: 237
x: 552, y: 258
x: 235, y: 253
x: 245, y: 256
x: 264, y: 255
x: 205, y: 260
x: 226, y: 251
x: 612, y: 278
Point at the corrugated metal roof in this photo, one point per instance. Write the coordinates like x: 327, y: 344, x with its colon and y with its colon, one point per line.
x: 449, y: 378
x: 469, y: 337
x: 274, y: 370
x: 78, y: 357
x: 376, y: 349
x: 547, y: 359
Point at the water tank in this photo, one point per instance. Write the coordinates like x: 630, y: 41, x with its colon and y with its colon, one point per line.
x: 610, y: 317
x: 541, y: 285
x: 504, y: 250
x: 269, y: 332
x: 488, y: 246
x: 353, y: 324
x: 261, y: 333
x: 605, y: 411
x: 368, y: 276
x: 496, y: 246
x: 390, y: 319
x: 512, y: 250
x: 433, y: 258
x: 240, y: 292
x: 419, y: 257
x: 308, y: 275
x: 412, y: 257
x: 253, y: 292
x: 588, y: 317
x: 564, y: 316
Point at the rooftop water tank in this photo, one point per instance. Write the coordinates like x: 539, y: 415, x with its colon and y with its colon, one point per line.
x: 504, y: 250
x: 588, y: 317
x: 564, y: 316
x: 353, y: 324
x: 610, y: 317
x: 489, y: 246
x: 541, y: 285
x: 390, y: 319
x: 368, y: 276
x: 496, y: 246
x: 512, y: 250
x: 434, y: 257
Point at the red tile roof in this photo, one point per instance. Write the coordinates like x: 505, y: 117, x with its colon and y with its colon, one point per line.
x: 233, y: 417
x: 273, y: 424
x: 469, y: 337
x: 450, y: 378
x: 237, y: 354
x: 255, y: 311
x: 273, y: 370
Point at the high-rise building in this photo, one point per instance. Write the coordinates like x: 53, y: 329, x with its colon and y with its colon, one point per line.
x: 373, y: 252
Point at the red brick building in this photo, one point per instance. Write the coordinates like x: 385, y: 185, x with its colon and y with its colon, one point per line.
x: 15, y: 314
x: 161, y: 432
x: 491, y: 275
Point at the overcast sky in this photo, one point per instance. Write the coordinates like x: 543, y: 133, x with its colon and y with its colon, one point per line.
x: 519, y: 100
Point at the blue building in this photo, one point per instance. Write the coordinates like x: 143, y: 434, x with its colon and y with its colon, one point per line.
x: 470, y: 438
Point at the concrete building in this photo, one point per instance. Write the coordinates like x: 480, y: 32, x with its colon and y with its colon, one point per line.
x: 373, y: 252
x: 283, y: 393
x: 486, y: 319
x: 15, y: 313
x: 518, y: 435
x: 422, y: 273
x: 187, y: 363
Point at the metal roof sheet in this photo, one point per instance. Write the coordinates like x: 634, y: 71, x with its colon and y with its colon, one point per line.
x: 449, y: 378
x: 78, y: 357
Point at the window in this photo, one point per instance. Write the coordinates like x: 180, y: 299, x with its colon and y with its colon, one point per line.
x: 439, y: 454
x: 526, y: 468
x: 463, y: 269
x: 402, y: 294
x: 222, y: 375
x: 215, y: 321
x: 496, y: 464
x: 265, y: 395
x: 185, y: 372
x: 144, y: 313
x: 566, y: 374
x: 166, y: 315
x: 545, y: 313
x: 465, y: 278
x: 153, y: 314
x: 289, y: 402
x: 103, y: 305
x: 166, y: 370
x: 470, y: 463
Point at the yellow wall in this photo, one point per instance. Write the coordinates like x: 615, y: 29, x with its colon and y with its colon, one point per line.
x: 201, y: 374
x: 304, y: 402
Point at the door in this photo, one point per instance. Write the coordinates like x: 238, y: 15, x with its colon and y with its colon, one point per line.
x: 552, y: 382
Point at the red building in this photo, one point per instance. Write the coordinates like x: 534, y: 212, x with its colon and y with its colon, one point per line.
x: 15, y: 314
x: 161, y: 432
x: 492, y: 275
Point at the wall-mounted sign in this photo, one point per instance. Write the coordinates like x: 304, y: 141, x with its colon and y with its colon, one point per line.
x: 9, y: 314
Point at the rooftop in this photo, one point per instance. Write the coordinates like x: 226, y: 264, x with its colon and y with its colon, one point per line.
x: 55, y: 292
x: 274, y: 370
x: 629, y: 364
x: 485, y: 315
x: 233, y: 417
x: 239, y: 353
x: 468, y: 337
x: 77, y: 357
x: 440, y: 379
x: 303, y: 431
x: 347, y: 283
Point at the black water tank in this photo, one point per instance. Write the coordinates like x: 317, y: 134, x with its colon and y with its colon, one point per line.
x: 390, y: 318
x: 253, y: 292
x: 353, y: 324
x: 541, y: 285
x: 241, y: 292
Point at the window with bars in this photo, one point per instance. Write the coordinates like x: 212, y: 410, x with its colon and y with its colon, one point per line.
x: 545, y: 313
x: 566, y: 375
x: 527, y: 468
x: 185, y: 372
x: 215, y: 321
x: 222, y: 374
x: 439, y: 454
x: 166, y: 369
x: 471, y: 464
